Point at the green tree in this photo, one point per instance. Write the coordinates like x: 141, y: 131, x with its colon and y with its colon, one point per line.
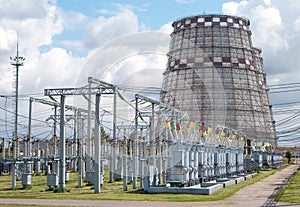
x: 288, y: 155
x: 104, y: 135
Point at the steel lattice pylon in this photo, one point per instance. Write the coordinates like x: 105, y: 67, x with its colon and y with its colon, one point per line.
x: 216, y: 75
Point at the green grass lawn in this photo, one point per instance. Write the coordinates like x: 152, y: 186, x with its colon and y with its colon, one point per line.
x: 291, y: 193
x: 110, y: 191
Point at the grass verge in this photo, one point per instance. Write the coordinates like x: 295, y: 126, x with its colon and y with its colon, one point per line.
x: 110, y: 191
x: 291, y: 193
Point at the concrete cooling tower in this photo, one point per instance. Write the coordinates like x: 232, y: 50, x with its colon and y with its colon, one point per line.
x: 216, y: 75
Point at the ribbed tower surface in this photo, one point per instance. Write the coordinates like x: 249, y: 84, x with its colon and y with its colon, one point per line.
x: 216, y: 75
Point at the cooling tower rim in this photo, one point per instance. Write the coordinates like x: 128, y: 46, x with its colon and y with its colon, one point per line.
x: 212, y: 15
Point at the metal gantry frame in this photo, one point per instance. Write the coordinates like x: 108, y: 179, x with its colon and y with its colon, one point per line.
x: 50, y: 103
x: 63, y: 92
x: 163, y: 108
x: 101, y: 83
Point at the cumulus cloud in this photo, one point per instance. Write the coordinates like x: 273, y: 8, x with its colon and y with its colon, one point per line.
x: 73, y: 20
x: 275, y: 29
x: 32, y: 29
x: 109, y: 61
x: 15, y: 10
x: 34, y: 24
x: 166, y: 28
x: 103, y: 30
x: 55, y: 68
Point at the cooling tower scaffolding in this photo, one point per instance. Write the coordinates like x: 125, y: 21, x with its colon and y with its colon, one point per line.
x: 216, y: 75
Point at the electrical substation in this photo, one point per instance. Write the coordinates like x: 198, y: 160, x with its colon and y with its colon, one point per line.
x: 212, y: 127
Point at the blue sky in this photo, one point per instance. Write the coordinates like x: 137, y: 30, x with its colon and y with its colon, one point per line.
x: 150, y: 14
x: 60, y: 39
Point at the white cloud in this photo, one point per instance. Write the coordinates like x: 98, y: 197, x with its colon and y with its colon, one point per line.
x: 7, y: 37
x: 14, y: 9
x: 103, y: 30
x: 275, y: 30
x: 231, y: 7
x: 74, y: 20
x: 55, y: 68
x: 104, y: 11
x: 166, y: 28
x: 34, y: 23
x: 297, y: 24
x: 185, y: 1
x: 107, y: 61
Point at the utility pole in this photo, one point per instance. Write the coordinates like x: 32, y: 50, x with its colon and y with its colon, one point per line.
x: 17, y: 62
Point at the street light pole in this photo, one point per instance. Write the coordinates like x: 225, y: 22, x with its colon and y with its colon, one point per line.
x: 17, y: 62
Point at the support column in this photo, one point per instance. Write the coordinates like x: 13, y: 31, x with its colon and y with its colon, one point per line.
x: 125, y: 175
x: 54, y: 131
x: 97, y: 145
x: 113, y: 158
x: 37, y: 154
x: 29, y: 128
x: 88, y: 140
x: 9, y: 151
x: 14, y: 166
x: 3, y: 149
x: 62, y: 143
x: 135, y: 154
x: 80, y: 152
